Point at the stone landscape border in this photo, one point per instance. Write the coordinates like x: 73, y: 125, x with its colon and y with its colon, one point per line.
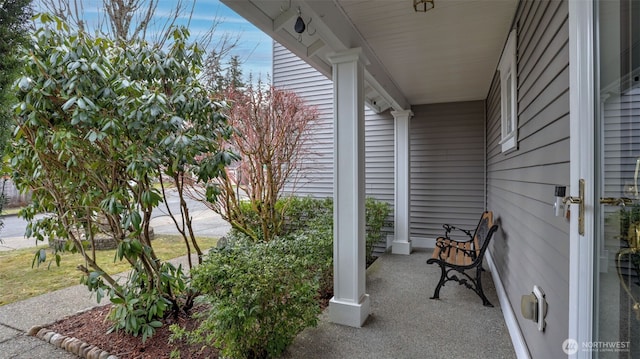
x: 70, y: 344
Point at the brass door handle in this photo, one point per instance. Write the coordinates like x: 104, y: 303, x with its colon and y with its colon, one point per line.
x: 579, y: 200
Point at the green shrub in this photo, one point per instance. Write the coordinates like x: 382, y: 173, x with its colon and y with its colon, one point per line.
x: 307, y: 213
x: 315, y: 247
x: 300, y: 213
x: 138, y: 311
x: 262, y: 294
x: 376, y: 213
x: 303, y: 213
x: 254, y: 312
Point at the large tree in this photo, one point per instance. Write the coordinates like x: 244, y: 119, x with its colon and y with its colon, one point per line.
x: 99, y: 124
x: 14, y: 15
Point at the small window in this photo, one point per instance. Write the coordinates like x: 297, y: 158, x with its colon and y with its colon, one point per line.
x: 508, y: 94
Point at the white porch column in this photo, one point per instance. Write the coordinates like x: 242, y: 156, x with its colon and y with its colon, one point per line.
x: 350, y: 304
x: 402, y: 240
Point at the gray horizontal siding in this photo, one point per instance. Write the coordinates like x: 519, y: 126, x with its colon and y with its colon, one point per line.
x: 292, y: 73
x: 532, y: 245
x: 621, y: 143
x: 447, y: 167
x: 620, y: 153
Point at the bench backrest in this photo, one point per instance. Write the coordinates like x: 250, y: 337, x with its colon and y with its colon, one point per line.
x: 483, y: 233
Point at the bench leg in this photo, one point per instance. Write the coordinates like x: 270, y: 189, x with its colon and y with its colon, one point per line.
x: 443, y: 273
x: 479, y: 290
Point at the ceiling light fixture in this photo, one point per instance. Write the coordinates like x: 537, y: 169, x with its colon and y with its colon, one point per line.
x: 423, y: 5
x: 300, y: 26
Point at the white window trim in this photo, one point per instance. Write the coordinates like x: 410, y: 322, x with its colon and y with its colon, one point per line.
x: 508, y: 73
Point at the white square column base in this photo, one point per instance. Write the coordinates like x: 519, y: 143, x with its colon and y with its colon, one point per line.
x: 401, y: 247
x: 348, y: 313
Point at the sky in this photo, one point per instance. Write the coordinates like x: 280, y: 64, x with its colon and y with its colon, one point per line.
x: 254, y: 47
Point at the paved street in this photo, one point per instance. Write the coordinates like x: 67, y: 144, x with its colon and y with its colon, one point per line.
x: 206, y: 223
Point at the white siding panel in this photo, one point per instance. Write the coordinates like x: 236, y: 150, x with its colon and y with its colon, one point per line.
x: 447, y: 167
x: 532, y: 245
x: 290, y: 72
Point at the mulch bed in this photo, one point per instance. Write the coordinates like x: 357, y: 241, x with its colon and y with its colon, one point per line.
x: 92, y: 326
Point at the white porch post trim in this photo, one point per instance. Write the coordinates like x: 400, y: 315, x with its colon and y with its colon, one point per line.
x: 350, y: 304
x: 402, y: 240
x: 582, y: 148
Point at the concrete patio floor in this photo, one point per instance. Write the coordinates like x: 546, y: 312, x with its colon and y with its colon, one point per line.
x: 405, y: 323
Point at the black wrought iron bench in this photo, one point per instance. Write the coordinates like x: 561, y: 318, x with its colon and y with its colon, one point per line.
x: 461, y: 256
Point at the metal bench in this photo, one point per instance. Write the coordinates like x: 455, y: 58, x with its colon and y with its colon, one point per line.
x: 460, y: 256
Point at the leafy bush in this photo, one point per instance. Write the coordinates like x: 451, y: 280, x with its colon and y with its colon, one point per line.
x: 138, y: 311
x: 308, y: 213
x: 376, y: 213
x: 300, y: 213
x: 305, y: 213
x: 262, y: 294
x: 254, y: 312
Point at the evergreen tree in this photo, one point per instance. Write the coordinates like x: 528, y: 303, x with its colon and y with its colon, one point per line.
x: 213, y: 75
x: 234, y: 73
x: 220, y: 79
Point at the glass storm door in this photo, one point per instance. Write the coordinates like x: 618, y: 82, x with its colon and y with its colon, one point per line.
x: 616, y: 326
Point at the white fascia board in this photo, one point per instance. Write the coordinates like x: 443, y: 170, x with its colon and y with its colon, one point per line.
x: 251, y: 11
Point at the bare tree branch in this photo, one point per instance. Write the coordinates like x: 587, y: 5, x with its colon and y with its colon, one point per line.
x: 123, y: 20
x: 272, y: 126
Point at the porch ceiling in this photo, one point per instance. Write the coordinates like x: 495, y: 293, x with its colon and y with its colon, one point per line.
x: 447, y: 54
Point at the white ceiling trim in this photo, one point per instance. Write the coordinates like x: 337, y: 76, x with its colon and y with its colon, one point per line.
x: 449, y: 54
x: 334, y: 32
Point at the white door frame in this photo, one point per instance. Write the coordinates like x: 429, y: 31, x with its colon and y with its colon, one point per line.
x: 582, y: 147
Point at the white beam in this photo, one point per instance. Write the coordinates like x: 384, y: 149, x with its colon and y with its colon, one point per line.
x: 282, y: 19
x: 337, y: 31
x: 350, y: 304
x: 313, y: 49
x: 402, y: 241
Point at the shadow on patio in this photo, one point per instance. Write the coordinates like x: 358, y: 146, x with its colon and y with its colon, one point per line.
x: 405, y: 323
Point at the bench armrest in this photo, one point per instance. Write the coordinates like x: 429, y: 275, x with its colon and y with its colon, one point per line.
x: 448, y: 228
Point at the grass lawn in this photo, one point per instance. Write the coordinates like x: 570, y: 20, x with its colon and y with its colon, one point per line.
x: 18, y: 280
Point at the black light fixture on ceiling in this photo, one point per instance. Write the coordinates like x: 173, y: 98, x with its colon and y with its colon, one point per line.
x: 300, y: 26
x: 423, y: 5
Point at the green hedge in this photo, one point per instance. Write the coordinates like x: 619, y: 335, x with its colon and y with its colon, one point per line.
x: 304, y: 213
